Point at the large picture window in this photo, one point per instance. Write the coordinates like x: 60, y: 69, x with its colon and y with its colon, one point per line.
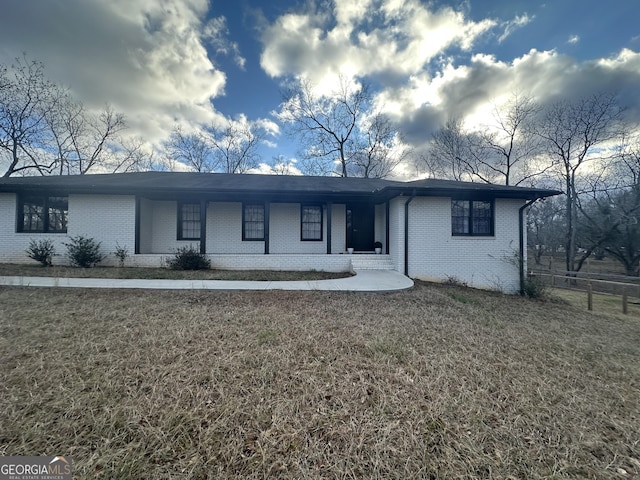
x: 189, y: 221
x: 311, y: 222
x: 253, y: 222
x: 472, y: 218
x: 40, y: 214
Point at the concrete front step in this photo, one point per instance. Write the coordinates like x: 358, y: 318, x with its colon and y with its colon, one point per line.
x: 371, y: 262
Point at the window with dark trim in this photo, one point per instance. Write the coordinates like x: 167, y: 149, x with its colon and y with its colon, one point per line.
x: 311, y: 222
x: 40, y: 214
x: 188, y: 221
x: 472, y: 218
x: 253, y: 221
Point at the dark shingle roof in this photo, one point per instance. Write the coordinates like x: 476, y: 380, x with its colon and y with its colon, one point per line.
x: 237, y: 186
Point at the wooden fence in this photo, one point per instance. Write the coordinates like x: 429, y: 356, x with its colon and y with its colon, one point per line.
x: 590, y: 284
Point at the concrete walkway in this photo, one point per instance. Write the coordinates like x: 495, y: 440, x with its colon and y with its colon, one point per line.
x: 363, y: 281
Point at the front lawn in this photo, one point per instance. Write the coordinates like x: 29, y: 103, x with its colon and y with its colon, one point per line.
x: 434, y: 382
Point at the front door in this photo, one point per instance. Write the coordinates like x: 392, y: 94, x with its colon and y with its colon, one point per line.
x: 360, y: 226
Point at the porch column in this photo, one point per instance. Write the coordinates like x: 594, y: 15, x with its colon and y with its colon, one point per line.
x: 203, y: 226
x: 267, y: 210
x: 386, y: 226
x: 329, y: 208
x: 136, y: 248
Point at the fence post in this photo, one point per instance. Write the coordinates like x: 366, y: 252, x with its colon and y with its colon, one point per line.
x: 553, y: 280
x: 625, y: 303
x: 589, y: 297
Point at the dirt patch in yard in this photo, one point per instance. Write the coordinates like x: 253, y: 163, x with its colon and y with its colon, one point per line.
x: 434, y: 382
x: 164, y: 273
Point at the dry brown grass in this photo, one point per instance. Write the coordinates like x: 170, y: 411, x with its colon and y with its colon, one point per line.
x: 163, y: 273
x: 603, y: 304
x: 435, y: 382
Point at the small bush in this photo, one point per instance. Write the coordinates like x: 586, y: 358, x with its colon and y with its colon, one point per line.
x: 188, y: 258
x: 41, y: 251
x: 534, y: 288
x: 84, y: 252
x: 121, y: 254
x: 455, y: 281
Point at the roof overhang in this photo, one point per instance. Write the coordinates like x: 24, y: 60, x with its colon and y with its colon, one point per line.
x: 274, y: 188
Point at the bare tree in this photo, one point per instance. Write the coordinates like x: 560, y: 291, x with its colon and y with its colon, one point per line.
x: 545, y: 221
x: 512, y: 142
x: 230, y: 148
x: 193, y: 149
x: 381, y: 148
x: 572, y: 131
x: 450, y: 154
x: 627, y: 166
x: 26, y: 97
x: 332, y: 129
x: 280, y: 165
x: 83, y: 140
x: 499, y: 153
x: 235, y: 147
x: 43, y: 129
x: 133, y: 155
x: 610, y: 222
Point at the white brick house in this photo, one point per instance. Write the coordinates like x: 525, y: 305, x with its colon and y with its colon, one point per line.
x: 429, y: 229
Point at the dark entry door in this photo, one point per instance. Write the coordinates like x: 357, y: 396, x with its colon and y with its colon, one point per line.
x: 360, y: 226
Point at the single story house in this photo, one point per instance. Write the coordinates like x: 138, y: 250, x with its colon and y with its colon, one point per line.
x: 429, y: 229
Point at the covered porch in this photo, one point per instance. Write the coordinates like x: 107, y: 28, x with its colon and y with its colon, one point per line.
x: 229, y: 229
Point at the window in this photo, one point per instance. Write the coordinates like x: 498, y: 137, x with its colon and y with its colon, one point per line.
x: 311, y: 222
x: 253, y: 222
x: 189, y: 221
x: 43, y: 214
x: 471, y: 217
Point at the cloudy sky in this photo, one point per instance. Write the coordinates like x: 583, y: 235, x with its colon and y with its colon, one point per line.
x: 195, y: 62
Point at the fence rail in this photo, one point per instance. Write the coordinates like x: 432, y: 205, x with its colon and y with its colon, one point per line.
x: 584, y: 283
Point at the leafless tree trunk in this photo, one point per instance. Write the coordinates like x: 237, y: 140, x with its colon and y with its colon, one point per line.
x: 43, y: 128
x: 572, y: 131
x: 501, y: 153
x: 327, y: 126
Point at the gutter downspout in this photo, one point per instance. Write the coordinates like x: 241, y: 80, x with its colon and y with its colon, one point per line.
x: 406, y: 232
x: 522, y: 249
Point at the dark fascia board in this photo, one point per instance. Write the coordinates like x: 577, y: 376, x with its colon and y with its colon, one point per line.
x: 477, y: 194
x: 221, y: 187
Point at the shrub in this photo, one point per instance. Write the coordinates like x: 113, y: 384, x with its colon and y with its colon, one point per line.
x: 84, y: 252
x: 188, y: 258
x: 41, y: 251
x: 121, y: 253
x: 534, y: 288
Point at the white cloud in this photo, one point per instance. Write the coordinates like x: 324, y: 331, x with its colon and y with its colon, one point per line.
x: 512, y: 25
x: 145, y: 57
x: 424, y: 103
x: 217, y: 32
x: 573, y: 39
x: 388, y: 37
x: 278, y: 166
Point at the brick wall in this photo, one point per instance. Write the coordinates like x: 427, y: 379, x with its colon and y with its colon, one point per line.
x: 224, y: 230
x: 483, y: 262
x: 396, y: 232
x: 109, y: 219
